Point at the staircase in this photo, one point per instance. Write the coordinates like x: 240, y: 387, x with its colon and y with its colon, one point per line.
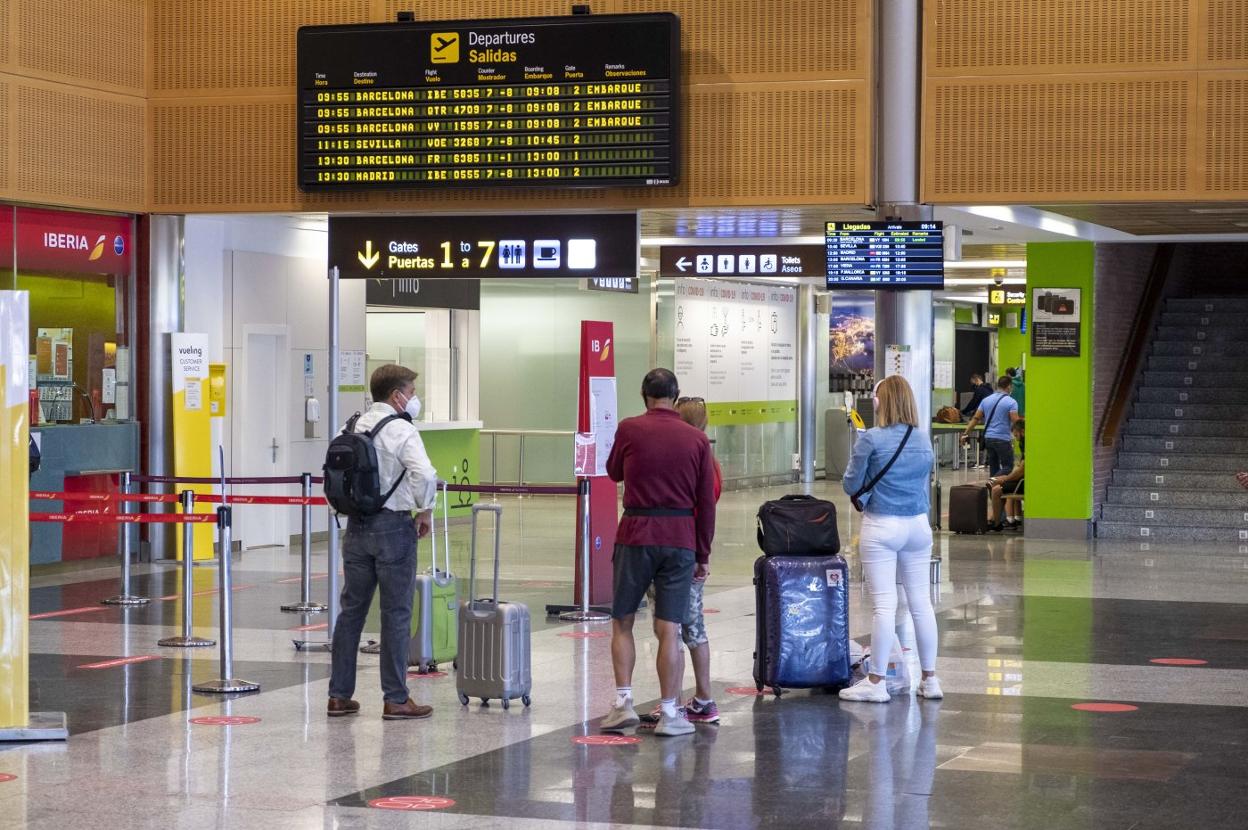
x: 1188, y: 432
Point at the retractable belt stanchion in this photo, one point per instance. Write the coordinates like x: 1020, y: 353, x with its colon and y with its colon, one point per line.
x: 125, y: 597
x: 305, y: 604
x: 584, y: 613
x: 188, y: 638
x: 226, y: 683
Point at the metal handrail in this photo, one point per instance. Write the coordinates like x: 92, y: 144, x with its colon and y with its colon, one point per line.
x: 494, y: 434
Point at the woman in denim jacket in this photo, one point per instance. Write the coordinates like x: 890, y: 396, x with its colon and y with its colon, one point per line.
x: 896, y: 539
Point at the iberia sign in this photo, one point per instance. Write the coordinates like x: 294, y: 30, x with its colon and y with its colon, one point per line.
x: 76, y: 242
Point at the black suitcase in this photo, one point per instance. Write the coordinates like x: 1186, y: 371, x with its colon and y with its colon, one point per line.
x: 968, y: 508
x: 802, y: 622
x: 798, y: 525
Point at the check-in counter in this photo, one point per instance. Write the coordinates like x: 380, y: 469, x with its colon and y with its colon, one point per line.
x: 80, y: 458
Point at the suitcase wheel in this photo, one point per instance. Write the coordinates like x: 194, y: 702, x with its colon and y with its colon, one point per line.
x: 777, y: 691
x: 506, y: 704
x: 760, y: 687
x: 463, y: 699
x: 526, y: 700
x: 485, y: 701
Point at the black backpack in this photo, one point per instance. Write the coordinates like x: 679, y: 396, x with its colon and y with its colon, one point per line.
x: 798, y: 525
x: 352, y: 476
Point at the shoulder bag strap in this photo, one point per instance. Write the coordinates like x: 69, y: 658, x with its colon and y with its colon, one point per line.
x: 880, y: 475
x: 372, y: 435
x: 988, y: 420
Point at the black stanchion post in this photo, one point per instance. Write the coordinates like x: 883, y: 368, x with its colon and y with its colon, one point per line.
x: 123, y: 531
x: 226, y: 683
x: 305, y: 604
x: 188, y: 638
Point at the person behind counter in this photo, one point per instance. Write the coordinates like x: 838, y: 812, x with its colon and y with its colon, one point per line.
x: 979, y: 391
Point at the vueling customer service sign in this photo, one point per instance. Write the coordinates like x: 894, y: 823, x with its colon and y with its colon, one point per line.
x: 192, y: 431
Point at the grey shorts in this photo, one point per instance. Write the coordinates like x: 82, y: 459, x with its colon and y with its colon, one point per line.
x: 668, y: 570
x: 693, y: 629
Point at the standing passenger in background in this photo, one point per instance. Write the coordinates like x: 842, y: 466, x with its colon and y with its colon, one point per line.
x: 998, y: 412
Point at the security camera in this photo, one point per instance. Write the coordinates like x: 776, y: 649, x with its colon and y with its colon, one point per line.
x: 998, y: 277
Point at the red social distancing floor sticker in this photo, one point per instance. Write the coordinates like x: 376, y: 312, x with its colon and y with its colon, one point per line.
x: 1104, y: 707
x: 586, y: 635
x: 710, y: 610
x: 224, y: 720
x: 748, y: 691
x: 606, y: 740
x: 5, y: 777
x: 412, y: 802
x: 429, y: 675
x: 1178, y: 661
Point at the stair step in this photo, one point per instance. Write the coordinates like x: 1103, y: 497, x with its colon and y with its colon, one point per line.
x: 1187, y: 394
x: 1153, y: 532
x: 1198, y: 411
x: 1200, y: 348
x: 1185, y: 445
x: 1182, y: 462
x: 1206, y: 305
x: 1166, y: 479
x: 1194, y: 363
x: 1192, y: 428
x: 1202, y: 334
x: 1199, y: 379
x: 1175, y: 516
x: 1210, y: 319
x: 1161, y: 497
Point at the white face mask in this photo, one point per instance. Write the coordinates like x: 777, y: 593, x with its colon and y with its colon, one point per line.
x: 412, y: 407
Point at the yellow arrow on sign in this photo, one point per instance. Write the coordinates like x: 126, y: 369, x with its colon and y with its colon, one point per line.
x: 368, y: 257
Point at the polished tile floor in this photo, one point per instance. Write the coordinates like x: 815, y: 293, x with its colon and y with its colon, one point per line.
x: 1029, y: 630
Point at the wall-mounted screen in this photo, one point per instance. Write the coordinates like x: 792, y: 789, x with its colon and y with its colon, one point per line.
x: 545, y: 101
x: 885, y: 255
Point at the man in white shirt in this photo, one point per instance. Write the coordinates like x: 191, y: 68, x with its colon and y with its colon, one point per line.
x: 379, y: 551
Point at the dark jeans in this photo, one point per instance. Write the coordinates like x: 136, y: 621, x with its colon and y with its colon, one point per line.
x: 377, y: 551
x: 1000, y: 457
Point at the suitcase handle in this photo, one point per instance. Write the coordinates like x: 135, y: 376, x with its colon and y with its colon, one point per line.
x: 497, y: 510
x: 446, y: 531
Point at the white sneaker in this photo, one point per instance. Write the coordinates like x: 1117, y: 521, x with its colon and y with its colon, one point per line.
x: 930, y: 689
x: 671, y: 727
x: 620, y: 718
x: 866, y: 692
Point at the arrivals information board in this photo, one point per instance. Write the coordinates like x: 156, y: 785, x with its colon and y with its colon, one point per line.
x: 885, y: 255
x: 548, y: 101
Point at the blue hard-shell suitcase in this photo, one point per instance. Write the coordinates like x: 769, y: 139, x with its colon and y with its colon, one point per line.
x: 802, y: 622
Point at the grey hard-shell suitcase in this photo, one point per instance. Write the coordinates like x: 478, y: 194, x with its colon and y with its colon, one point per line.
x: 495, y: 659
x: 436, y: 606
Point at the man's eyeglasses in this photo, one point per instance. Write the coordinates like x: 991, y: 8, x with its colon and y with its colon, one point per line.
x: 679, y: 401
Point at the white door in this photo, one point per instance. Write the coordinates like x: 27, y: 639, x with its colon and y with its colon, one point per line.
x: 264, y: 441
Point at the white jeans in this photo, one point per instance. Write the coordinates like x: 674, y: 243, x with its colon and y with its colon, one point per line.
x: 898, y: 549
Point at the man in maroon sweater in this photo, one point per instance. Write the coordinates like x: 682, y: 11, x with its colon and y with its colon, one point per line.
x: 664, y: 538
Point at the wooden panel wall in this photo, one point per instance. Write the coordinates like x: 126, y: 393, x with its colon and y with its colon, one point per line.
x: 777, y: 107
x: 73, y: 103
x: 1085, y: 100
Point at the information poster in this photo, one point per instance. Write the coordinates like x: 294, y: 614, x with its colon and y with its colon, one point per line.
x: 351, y: 364
x: 897, y: 360
x: 736, y: 341
x: 192, y: 433
x: 1056, y: 322
x: 603, y: 416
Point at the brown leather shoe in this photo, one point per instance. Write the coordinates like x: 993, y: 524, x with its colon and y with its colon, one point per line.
x: 411, y: 710
x: 338, y: 707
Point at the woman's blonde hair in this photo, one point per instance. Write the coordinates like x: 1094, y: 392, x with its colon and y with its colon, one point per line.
x: 897, y: 404
x: 693, y: 412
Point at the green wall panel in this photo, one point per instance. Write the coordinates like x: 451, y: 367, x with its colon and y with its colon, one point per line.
x: 1059, y: 394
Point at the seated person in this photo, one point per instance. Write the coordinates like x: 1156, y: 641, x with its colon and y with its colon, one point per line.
x: 1007, y: 485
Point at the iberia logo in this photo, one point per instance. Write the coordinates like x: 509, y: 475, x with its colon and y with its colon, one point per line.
x: 606, y: 350
x: 98, y: 250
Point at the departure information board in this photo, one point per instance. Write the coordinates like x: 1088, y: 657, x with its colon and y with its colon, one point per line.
x: 885, y: 254
x: 545, y: 101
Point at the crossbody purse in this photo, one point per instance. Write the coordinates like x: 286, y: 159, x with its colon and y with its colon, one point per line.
x: 856, y: 498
